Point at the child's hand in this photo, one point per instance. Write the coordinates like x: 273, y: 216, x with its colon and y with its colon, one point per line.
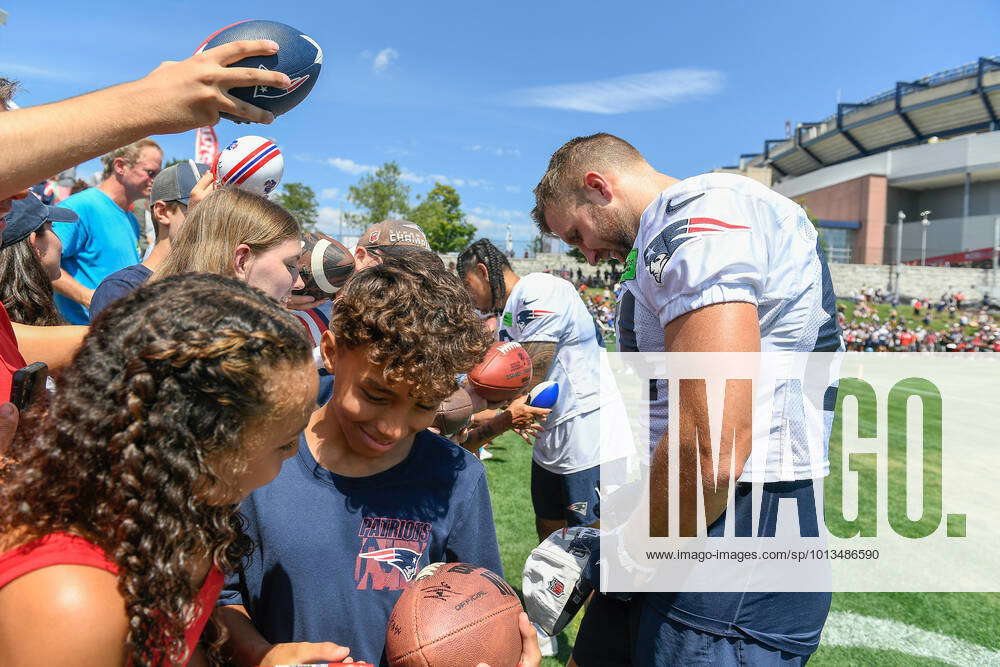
x: 305, y: 652
x: 531, y: 655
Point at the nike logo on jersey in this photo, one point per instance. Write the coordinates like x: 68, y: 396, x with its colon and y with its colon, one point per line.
x: 673, y: 208
x: 660, y: 249
x: 526, y: 302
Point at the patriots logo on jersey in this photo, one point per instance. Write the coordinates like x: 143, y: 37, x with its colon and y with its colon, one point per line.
x: 528, y: 315
x: 674, y: 235
x: 580, y: 508
x: 404, y: 560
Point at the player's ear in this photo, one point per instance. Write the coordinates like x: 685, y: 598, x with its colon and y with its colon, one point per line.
x: 328, y: 349
x: 483, y: 272
x: 598, y: 188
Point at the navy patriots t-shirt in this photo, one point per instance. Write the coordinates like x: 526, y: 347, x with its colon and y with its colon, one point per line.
x: 332, y: 554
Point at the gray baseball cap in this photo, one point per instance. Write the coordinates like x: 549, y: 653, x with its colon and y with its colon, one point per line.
x: 176, y: 182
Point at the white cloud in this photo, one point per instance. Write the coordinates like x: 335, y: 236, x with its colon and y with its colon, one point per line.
x: 32, y: 72
x: 499, y: 152
x: 383, y: 59
x: 328, y: 220
x: 355, y: 168
x: 505, y: 214
x: 329, y: 193
x: 512, y: 188
x: 632, y: 92
x: 350, y: 166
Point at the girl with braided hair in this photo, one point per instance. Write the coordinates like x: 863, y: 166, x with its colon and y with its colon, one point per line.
x: 120, y: 518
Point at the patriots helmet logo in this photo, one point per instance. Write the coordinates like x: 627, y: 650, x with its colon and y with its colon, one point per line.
x: 274, y: 93
x: 529, y: 315
x: 404, y: 560
x: 660, y: 249
x: 233, y: 144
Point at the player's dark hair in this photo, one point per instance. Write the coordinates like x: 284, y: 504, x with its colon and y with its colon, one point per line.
x: 564, y: 175
x: 149, y: 421
x: 484, y: 252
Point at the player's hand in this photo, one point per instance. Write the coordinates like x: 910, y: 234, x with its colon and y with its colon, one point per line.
x: 304, y: 652
x: 531, y: 655
x: 203, y: 188
x: 193, y: 92
x: 523, y: 414
x: 303, y: 302
x: 529, y: 433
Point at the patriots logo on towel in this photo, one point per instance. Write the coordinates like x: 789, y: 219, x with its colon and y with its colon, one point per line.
x: 529, y: 315
x: 660, y: 249
x: 404, y: 560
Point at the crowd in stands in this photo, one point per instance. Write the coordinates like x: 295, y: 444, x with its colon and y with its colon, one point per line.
x: 950, y: 324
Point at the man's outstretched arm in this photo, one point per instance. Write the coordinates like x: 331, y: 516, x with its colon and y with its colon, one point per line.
x: 176, y: 97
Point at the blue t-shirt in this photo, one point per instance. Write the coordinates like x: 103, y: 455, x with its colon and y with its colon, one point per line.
x: 117, y: 285
x: 332, y: 554
x: 104, y: 240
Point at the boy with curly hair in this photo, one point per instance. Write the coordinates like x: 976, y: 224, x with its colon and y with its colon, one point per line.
x: 371, y: 496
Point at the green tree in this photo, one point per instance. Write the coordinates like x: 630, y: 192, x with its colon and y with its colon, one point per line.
x: 172, y: 161
x: 300, y: 200
x: 439, y: 214
x: 379, y: 196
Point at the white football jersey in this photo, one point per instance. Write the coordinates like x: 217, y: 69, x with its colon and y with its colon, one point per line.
x: 544, y: 308
x: 719, y: 238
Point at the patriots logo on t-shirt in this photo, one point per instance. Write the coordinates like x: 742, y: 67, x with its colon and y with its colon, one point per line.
x: 529, y: 315
x: 389, y: 552
x: 404, y: 560
x: 660, y: 249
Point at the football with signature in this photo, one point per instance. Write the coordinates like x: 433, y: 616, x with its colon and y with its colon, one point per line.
x: 503, y: 373
x: 452, y: 615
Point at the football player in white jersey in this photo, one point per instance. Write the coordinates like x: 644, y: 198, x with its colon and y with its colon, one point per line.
x: 717, y: 262
x: 546, y: 315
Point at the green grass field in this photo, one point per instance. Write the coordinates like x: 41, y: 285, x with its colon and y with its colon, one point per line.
x: 970, y: 618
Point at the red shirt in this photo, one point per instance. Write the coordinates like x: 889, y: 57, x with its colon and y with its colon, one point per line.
x: 64, y: 549
x: 10, y: 358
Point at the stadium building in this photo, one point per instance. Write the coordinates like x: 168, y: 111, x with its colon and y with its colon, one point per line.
x: 930, y: 145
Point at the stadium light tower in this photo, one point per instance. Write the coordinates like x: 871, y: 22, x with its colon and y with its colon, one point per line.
x: 924, y: 224
x: 899, y: 249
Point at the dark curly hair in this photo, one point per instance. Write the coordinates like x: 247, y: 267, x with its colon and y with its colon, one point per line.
x: 148, y: 419
x: 484, y: 252
x: 416, y: 318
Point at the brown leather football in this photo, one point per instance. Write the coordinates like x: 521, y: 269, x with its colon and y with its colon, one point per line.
x: 325, y: 265
x: 455, y: 615
x: 453, y: 413
x: 503, y: 373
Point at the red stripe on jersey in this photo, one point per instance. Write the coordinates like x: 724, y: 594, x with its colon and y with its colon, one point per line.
x: 712, y: 221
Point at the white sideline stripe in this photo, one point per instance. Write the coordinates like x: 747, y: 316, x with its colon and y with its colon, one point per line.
x: 846, y: 629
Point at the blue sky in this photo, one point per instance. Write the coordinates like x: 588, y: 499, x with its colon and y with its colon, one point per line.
x: 479, y: 94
